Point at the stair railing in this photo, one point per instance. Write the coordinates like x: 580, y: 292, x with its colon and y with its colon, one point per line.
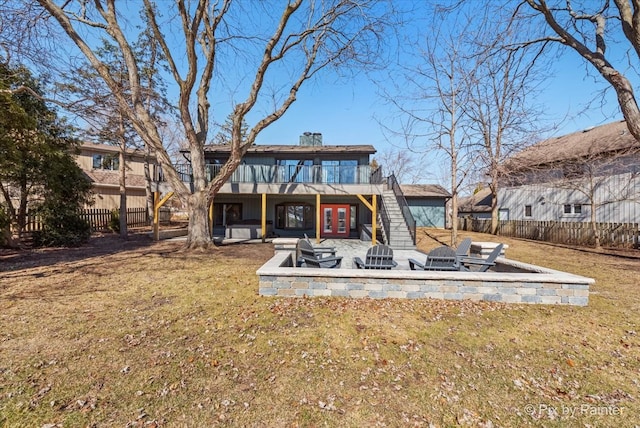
x: 392, y: 184
x: 386, y: 221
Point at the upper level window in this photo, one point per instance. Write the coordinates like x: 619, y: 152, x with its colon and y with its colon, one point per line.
x: 296, y: 171
x: 527, y: 211
x: 339, y: 171
x: 109, y: 162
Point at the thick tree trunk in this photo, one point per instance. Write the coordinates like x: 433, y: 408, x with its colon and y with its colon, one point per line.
x: 628, y: 103
x: 199, y: 236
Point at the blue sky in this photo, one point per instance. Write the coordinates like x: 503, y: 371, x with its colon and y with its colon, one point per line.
x: 347, y: 110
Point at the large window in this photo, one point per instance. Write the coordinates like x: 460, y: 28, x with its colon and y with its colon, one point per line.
x: 296, y: 171
x: 294, y: 216
x: 109, y: 162
x: 340, y: 171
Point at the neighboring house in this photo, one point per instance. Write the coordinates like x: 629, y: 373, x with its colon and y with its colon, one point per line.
x: 477, y: 205
x: 427, y: 203
x: 309, y: 188
x: 100, y: 163
x: 570, y: 177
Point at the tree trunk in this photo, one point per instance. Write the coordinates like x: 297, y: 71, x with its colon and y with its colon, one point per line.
x: 147, y: 181
x: 123, y: 215
x: 199, y: 236
x: 628, y: 103
x: 454, y: 199
x: 123, y: 195
x: 594, y: 226
x: 122, y: 181
x: 494, y: 201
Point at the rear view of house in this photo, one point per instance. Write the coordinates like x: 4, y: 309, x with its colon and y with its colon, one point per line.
x: 326, y: 191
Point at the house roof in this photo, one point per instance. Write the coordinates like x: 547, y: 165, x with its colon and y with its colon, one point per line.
x: 476, y: 203
x: 107, y: 148
x: 424, y: 191
x: 608, y: 138
x: 282, y: 149
x: 110, y: 178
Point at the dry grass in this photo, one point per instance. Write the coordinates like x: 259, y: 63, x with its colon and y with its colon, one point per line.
x: 145, y: 335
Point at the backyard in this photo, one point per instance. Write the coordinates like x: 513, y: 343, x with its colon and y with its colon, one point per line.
x: 138, y: 333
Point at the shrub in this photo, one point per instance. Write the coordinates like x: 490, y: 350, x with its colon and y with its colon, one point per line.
x: 62, y: 227
x: 114, y: 221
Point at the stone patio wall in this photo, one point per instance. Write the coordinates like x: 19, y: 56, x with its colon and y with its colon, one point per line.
x: 538, y: 285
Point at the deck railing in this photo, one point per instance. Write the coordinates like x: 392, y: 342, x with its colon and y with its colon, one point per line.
x: 313, y: 174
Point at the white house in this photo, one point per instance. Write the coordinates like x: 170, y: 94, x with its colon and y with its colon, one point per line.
x: 570, y: 177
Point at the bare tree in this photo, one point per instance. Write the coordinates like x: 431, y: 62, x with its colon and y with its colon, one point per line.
x: 499, y: 111
x: 83, y: 93
x: 406, y: 166
x: 432, y: 96
x: 590, y: 28
x: 286, y: 48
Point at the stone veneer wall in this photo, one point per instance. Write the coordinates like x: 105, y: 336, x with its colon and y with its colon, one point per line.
x: 538, y: 285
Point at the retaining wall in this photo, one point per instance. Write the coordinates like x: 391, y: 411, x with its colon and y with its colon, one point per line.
x: 514, y: 282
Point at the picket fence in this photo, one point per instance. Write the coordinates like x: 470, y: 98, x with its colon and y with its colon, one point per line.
x: 621, y: 235
x: 99, y: 219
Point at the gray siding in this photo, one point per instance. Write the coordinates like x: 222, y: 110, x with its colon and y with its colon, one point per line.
x: 617, y: 200
x: 428, y: 212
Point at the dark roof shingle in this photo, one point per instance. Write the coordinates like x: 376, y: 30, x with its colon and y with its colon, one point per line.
x: 477, y: 203
x: 111, y: 178
x: 424, y: 190
x: 608, y: 138
x: 275, y: 149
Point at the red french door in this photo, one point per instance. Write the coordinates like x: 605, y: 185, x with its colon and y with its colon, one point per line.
x: 335, y: 220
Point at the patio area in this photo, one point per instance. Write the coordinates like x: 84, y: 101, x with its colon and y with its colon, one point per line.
x: 350, y: 248
x: 508, y: 281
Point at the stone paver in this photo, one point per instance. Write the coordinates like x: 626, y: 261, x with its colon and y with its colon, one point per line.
x: 350, y: 248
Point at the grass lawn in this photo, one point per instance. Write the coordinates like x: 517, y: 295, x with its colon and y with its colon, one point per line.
x: 142, y: 334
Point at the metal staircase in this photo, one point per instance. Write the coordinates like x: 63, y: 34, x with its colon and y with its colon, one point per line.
x: 396, y: 219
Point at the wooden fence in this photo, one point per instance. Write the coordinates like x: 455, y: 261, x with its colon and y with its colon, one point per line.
x: 99, y: 219
x: 623, y: 235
